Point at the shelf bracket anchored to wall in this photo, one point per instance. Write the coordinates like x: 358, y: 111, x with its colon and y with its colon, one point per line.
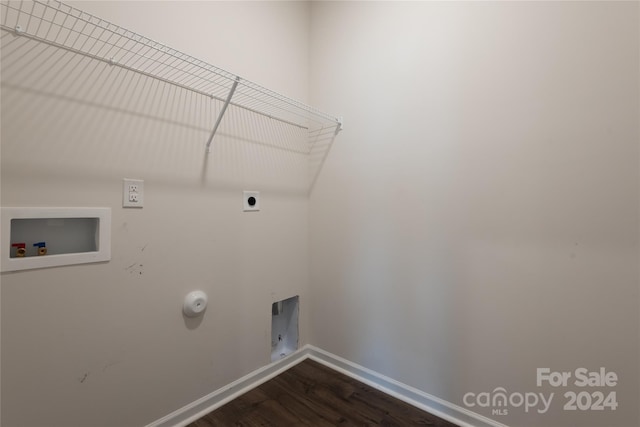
x: 76, y: 32
x: 222, y: 111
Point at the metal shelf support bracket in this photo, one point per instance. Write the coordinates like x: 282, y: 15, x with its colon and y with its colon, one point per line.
x: 222, y: 111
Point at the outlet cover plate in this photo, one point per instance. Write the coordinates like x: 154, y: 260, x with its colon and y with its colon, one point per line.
x: 250, y: 201
x: 132, y: 193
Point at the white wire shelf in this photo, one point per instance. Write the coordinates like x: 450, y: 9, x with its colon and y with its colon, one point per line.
x: 60, y: 25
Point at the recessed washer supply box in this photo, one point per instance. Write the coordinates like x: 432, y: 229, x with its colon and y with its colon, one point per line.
x: 70, y: 235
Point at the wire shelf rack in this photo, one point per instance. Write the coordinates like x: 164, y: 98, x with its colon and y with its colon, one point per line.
x: 65, y: 27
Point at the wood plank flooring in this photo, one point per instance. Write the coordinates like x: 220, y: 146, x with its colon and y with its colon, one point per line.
x: 310, y: 394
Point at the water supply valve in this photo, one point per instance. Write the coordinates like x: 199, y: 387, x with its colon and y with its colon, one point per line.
x: 42, y: 248
x: 21, y: 250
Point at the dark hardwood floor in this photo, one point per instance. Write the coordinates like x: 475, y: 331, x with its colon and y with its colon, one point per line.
x: 310, y: 394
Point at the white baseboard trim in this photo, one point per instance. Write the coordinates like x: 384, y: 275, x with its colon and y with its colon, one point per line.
x: 432, y: 404
x: 195, y: 410
x: 414, y: 397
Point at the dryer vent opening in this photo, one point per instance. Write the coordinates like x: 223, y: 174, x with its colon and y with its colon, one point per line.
x: 284, y: 328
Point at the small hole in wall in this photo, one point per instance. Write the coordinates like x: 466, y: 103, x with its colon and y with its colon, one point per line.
x: 284, y: 328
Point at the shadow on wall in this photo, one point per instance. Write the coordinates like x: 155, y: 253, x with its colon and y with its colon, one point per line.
x: 59, y: 106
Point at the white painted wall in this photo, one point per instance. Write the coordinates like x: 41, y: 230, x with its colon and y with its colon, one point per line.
x: 478, y: 218
x: 106, y: 344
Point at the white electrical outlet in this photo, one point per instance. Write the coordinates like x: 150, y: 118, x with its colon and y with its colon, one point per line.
x: 132, y: 193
